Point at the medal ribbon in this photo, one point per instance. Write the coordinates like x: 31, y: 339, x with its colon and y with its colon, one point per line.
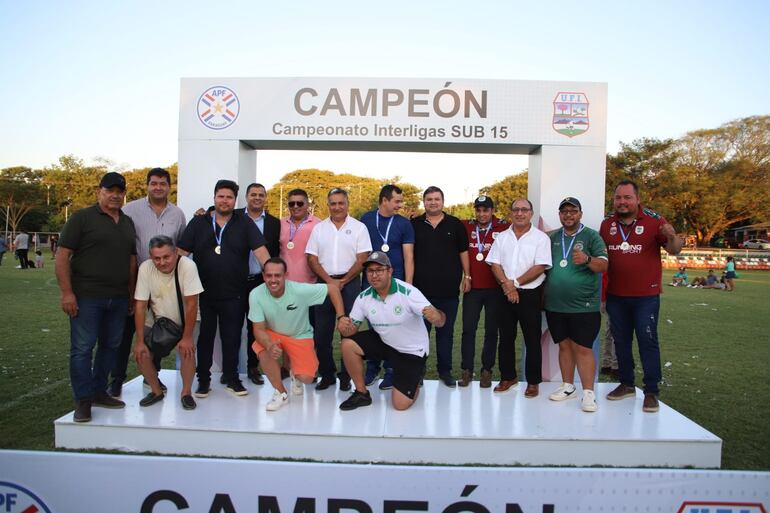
x: 565, y: 252
x: 479, y: 241
x: 623, y: 234
x: 221, y: 232
x: 292, y: 233
x: 387, y: 230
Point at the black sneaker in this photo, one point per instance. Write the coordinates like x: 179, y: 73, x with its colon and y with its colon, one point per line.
x: 345, y: 383
x: 116, y: 388
x: 188, y: 403
x: 356, y: 400
x: 326, y: 382
x: 82, y: 411
x: 162, y: 386
x: 151, y: 399
x: 237, y: 388
x: 387, y: 380
x: 255, y: 376
x: 203, y: 390
x: 105, y: 400
x: 448, y: 380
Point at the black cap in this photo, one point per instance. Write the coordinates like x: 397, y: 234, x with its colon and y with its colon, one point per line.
x: 378, y: 257
x: 113, y: 179
x: 569, y: 200
x: 483, y: 201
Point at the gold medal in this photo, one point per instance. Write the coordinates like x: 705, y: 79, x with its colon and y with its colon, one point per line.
x: 385, y: 248
x: 563, y: 262
x: 290, y: 245
x: 479, y: 257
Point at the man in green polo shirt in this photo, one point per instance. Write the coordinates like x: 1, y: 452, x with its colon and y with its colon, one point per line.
x: 279, y: 310
x: 572, y: 299
x: 96, y: 270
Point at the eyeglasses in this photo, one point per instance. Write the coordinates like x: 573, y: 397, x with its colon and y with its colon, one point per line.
x: 293, y: 204
x: 520, y: 210
x: 374, y: 272
x: 569, y: 212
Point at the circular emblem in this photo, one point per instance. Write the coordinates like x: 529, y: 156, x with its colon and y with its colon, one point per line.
x: 473, y: 235
x: 18, y: 498
x: 397, y: 310
x: 579, y: 246
x: 348, y: 231
x: 494, y: 235
x: 218, y: 107
x: 373, y: 311
x: 639, y: 230
x: 613, y: 231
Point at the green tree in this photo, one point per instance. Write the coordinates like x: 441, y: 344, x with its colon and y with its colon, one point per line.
x: 22, y: 199
x: 505, y: 191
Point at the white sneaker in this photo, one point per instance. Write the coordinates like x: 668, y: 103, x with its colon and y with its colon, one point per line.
x: 297, y: 387
x: 565, y: 391
x: 278, y: 400
x: 589, y: 401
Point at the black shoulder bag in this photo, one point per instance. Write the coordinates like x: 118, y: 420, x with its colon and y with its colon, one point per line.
x: 165, y: 334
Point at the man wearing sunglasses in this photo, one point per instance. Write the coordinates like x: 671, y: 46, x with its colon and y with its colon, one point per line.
x: 295, y: 232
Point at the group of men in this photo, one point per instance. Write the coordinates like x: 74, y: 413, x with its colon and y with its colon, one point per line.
x: 122, y: 269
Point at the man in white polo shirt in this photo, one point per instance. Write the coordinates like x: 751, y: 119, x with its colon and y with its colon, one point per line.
x: 519, y: 257
x: 335, y: 251
x: 396, y: 312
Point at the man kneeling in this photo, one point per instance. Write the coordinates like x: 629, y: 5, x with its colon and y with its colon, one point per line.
x: 395, y: 311
x: 279, y: 310
x: 156, y: 284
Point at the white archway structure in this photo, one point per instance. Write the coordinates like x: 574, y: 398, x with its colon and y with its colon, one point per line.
x: 562, y: 126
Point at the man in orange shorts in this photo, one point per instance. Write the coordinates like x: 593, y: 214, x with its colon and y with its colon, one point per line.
x: 279, y: 310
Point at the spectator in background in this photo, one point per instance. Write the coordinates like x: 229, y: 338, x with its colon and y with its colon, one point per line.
x: 680, y: 278
x: 730, y: 274
x: 39, y: 259
x: 3, y: 247
x: 21, y: 246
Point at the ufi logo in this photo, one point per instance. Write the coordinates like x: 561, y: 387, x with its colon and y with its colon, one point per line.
x: 721, y: 507
x: 218, y: 107
x: 17, y: 499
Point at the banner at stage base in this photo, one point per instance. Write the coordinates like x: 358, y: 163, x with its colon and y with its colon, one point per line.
x: 75, y: 482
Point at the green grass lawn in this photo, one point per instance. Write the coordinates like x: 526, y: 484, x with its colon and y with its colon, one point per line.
x: 717, y: 344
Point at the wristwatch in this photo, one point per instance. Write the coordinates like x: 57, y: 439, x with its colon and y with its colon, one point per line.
x: 516, y: 283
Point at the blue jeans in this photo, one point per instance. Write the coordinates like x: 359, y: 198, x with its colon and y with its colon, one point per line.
x: 102, y: 320
x: 636, y: 314
x: 445, y: 334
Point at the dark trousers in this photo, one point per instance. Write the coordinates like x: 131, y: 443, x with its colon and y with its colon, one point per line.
x: 444, y: 334
x: 252, y: 361
x: 528, y: 314
x: 119, y: 371
x: 636, y: 314
x: 22, y: 256
x: 325, y: 319
x: 473, y: 301
x: 228, y: 314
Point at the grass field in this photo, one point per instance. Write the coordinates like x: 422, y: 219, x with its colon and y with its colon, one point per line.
x: 715, y: 348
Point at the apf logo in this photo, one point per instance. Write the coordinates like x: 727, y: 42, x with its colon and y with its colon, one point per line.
x: 16, y: 499
x: 570, y: 113
x: 218, y: 107
x: 721, y: 507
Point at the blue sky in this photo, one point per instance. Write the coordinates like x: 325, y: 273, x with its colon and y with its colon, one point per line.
x: 101, y: 79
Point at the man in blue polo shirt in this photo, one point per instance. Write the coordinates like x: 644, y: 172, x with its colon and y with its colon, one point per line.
x: 392, y: 234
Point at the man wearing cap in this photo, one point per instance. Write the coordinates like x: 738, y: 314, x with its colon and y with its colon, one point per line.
x: 96, y: 270
x: 396, y: 312
x: 519, y: 259
x: 572, y: 300
x: 221, y: 242
x: 279, y: 311
x: 392, y: 234
x: 441, y: 270
x: 485, y: 292
x: 270, y: 226
x: 335, y: 251
x: 152, y: 215
x: 634, y: 236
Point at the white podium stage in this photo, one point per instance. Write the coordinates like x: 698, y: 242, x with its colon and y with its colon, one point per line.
x: 446, y: 426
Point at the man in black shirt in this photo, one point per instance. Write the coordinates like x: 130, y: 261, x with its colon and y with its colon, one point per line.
x: 440, y: 261
x: 220, y: 243
x: 96, y: 269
